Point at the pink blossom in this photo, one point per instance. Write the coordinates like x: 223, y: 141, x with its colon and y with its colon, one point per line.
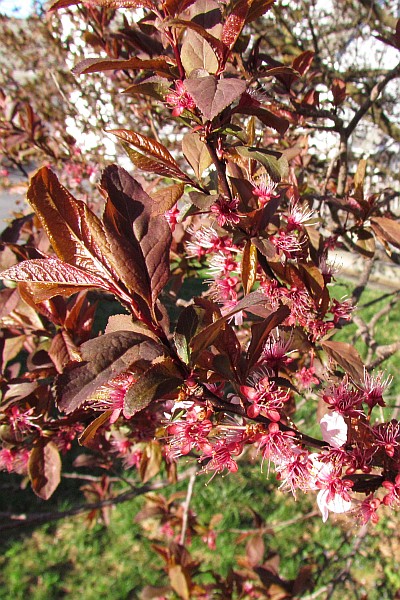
x: 328, y: 269
x: 295, y: 473
x: 225, y: 210
x: 22, y: 421
x: 373, y: 388
x: 387, y: 436
x: 172, y: 216
x: 360, y: 458
x: 222, y: 264
x: 206, y: 240
x: 133, y: 458
x: 220, y: 455
x: 298, y: 216
x: 272, y: 291
x: 341, y: 310
x: 223, y: 289
x: 334, y: 501
x: 367, y: 509
x: 7, y: 460
x: 264, y: 189
x: 180, y: 99
x: 306, y: 377
x: 210, y: 539
x: 393, y: 497
x: 318, y: 328
x: 265, y: 397
x: 300, y: 303
x: 120, y: 443
x: 111, y: 396
x: 66, y: 435
x: 276, y: 352
x: 189, y: 433
x: 14, y: 461
x: 276, y: 445
x: 288, y: 243
x: 343, y: 399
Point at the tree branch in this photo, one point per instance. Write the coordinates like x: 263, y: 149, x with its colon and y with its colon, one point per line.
x: 34, y: 519
x: 375, y: 92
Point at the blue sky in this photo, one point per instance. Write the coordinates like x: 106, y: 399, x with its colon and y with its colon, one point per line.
x: 16, y: 8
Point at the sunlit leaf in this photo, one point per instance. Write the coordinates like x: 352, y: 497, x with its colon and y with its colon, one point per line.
x: 91, y: 430
x: 150, y: 461
x: 347, y: 357
x: 53, y: 271
x: 216, y: 44
x: 105, y: 4
x: 74, y: 231
x: 145, y: 237
x: 235, y: 22
x: 180, y: 581
x: 258, y: 8
x: 387, y: 229
x: 186, y: 327
x: 196, y: 53
x: 209, y: 334
x: 249, y: 266
x: 274, y: 162
x: 196, y: 153
x: 303, y: 62
x: 268, y: 118
x: 212, y: 95
x: 154, y: 89
x: 150, y: 155
x: 165, y: 198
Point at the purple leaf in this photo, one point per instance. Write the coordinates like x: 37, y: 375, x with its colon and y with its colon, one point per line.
x: 75, y: 233
x: 53, y: 271
x: 96, y: 65
x: 160, y: 379
x: 146, y: 237
x: 150, y: 155
x: 212, y: 95
x: 346, y: 356
x: 44, y: 469
x: 104, y: 358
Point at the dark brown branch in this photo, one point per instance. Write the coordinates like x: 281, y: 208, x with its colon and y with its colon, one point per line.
x: 375, y: 92
x: 362, y: 283
x: 34, y: 519
x: 384, y: 352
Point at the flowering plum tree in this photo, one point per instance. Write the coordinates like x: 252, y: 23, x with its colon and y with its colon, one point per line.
x: 217, y: 374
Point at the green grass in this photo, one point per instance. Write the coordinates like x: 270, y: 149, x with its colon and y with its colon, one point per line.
x: 71, y: 559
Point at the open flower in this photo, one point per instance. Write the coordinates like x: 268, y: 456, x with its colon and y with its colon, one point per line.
x: 334, y: 491
x: 180, y: 99
x: 334, y: 429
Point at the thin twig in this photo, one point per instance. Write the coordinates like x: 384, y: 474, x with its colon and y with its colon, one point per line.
x: 33, y: 519
x: 345, y: 572
x: 272, y: 527
x: 373, y: 96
